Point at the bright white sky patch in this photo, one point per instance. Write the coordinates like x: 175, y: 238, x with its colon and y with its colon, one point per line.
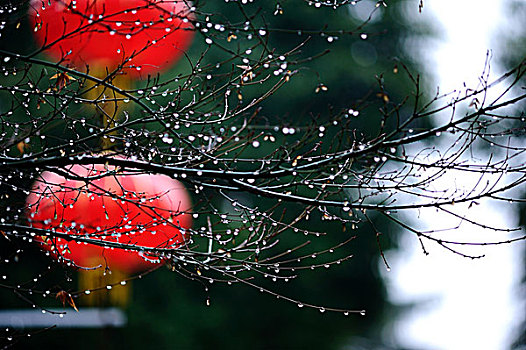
x: 466, y: 304
x: 469, y: 26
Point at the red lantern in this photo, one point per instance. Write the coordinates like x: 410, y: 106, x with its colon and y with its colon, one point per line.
x: 141, y: 210
x: 145, y: 36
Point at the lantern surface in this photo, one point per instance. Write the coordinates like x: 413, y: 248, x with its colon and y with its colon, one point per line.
x: 141, y: 210
x: 144, y: 36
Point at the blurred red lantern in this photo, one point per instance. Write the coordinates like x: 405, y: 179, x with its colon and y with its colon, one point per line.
x: 140, y: 210
x: 145, y: 36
